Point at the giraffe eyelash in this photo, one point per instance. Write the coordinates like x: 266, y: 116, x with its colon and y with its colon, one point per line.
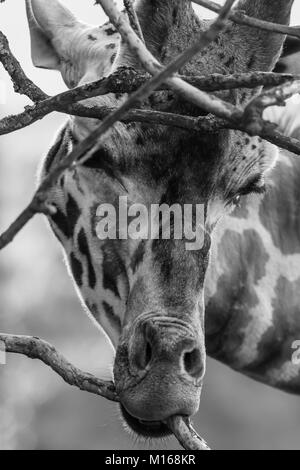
x: 255, y: 185
x: 253, y: 189
x: 246, y: 191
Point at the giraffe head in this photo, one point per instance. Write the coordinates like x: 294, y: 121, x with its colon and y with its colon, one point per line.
x: 148, y: 294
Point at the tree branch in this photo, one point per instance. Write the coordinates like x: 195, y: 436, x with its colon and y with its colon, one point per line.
x: 22, y: 84
x: 253, y: 115
x: 38, y: 205
x: 186, y: 434
x: 35, y: 348
x: 241, y: 18
x: 126, y: 80
x: 134, y: 21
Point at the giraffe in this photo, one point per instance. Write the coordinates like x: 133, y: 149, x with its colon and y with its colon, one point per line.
x: 157, y: 302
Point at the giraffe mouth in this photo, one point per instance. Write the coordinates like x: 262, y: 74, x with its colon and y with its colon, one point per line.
x: 154, y: 429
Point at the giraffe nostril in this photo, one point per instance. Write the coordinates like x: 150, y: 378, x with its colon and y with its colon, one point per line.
x: 148, y: 353
x: 143, y: 357
x: 193, y: 364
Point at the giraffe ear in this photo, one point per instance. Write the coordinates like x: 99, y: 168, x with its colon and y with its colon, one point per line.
x: 47, y: 22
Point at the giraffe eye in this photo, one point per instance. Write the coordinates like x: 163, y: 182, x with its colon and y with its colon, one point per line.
x: 236, y: 200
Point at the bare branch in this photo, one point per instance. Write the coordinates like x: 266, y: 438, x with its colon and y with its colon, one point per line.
x: 253, y: 115
x: 221, y: 109
x: 209, y: 124
x: 162, y: 75
x: 35, y: 348
x: 234, y: 115
x: 134, y: 21
x: 9, y: 235
x: 186, y: 434
x: 22, y: 84
x: 243, y: 19
x: 127, y: 80
x: 218, y: 82
x: 37, y: 205
x: 66, y: 102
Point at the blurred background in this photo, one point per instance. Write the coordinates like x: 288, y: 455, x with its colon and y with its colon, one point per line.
x: 39, y: 411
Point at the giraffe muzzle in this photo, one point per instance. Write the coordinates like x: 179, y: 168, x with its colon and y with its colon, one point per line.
x: 162, y: 374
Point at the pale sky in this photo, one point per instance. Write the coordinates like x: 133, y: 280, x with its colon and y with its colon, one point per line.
x: 13, y: 24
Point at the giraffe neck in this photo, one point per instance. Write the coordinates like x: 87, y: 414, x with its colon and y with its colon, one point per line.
x: 253, y: 282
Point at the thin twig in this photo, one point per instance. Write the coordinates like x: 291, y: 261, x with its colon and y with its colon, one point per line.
x: 253, y: 115
x: 35, y: 348
x: 66, y: 102
x: 9, y: 235
x: 186, y: 434
x: 22, y: 84
x: 241, y: 18
x: 38, y: 205
x: 127, y: 80
x: 133, y: 18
